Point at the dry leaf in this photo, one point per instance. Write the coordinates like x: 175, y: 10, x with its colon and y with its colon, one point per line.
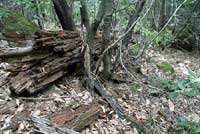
x: 171, y: 105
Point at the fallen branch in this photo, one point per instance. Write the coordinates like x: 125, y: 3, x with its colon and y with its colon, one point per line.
x: 112, y: 102
x: 7, y: 52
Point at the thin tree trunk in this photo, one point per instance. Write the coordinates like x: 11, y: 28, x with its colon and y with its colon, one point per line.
x: 133, y: 18
x: 36, y: 2
x: 84, y: 15
x: 64, y: 14
x: 162, y: 15
x: 106, y: 38
x: 94, y: 26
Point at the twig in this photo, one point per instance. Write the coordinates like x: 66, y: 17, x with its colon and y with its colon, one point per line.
x: 40, y: 99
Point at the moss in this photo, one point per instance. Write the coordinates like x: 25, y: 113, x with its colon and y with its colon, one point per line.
x: 14, y: 22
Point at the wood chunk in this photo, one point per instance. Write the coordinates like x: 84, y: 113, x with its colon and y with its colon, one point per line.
x: 79, y: 118
x: 44, y: 126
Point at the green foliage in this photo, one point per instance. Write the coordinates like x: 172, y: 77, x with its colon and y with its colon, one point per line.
x: 187, y: 127
x: 14, y: 22
x: 189, y: 87
x: 165, y: 39
x: 3, y: 13
x: 131, y: 10
x: 166, y: 67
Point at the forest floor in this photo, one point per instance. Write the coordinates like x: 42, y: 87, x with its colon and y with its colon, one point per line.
x: 149, y: 106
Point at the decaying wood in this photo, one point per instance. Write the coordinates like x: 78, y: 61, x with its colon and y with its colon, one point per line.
x: 68, y: 121
x: 46, y: 127
x: 34, y: 67
x: 79, y: 118
x: 48, y: 59
x: 15, y: 51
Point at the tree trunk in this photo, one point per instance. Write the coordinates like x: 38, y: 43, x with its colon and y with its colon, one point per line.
x: 106, y: 38
x: 37, y: 11
x: 133, y: 18
x: 84, y: 15
x: 64, y: 14
x: 94, y: 26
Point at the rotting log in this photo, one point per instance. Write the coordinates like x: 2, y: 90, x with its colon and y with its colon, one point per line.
x: 79, y: 118
x: 50, y: 56
x: 34, y: 67
x: 49, y: 59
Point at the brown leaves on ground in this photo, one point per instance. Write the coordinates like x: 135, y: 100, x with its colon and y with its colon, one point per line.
x: 67, y: 101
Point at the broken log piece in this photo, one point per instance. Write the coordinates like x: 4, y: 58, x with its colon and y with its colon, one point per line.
x: 44, y: 126
x: 79, y: 118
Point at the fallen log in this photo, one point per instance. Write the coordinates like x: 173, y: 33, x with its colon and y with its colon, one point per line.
x: 49, y: 58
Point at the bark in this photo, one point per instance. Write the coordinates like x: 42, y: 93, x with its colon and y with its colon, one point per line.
x: 46, y: 127
x: 35, y: 67
x: 52, y: 55
x: 133, y: 18
x: 64, y: 14
x: 79, y: 118
x: 84, y: 14
x: 106, y: 38
x: 6, y: 52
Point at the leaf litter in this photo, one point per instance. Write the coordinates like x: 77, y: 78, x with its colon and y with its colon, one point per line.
x: 158, y: 114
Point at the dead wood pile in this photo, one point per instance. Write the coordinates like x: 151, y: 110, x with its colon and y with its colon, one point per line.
x: 51, y: 56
